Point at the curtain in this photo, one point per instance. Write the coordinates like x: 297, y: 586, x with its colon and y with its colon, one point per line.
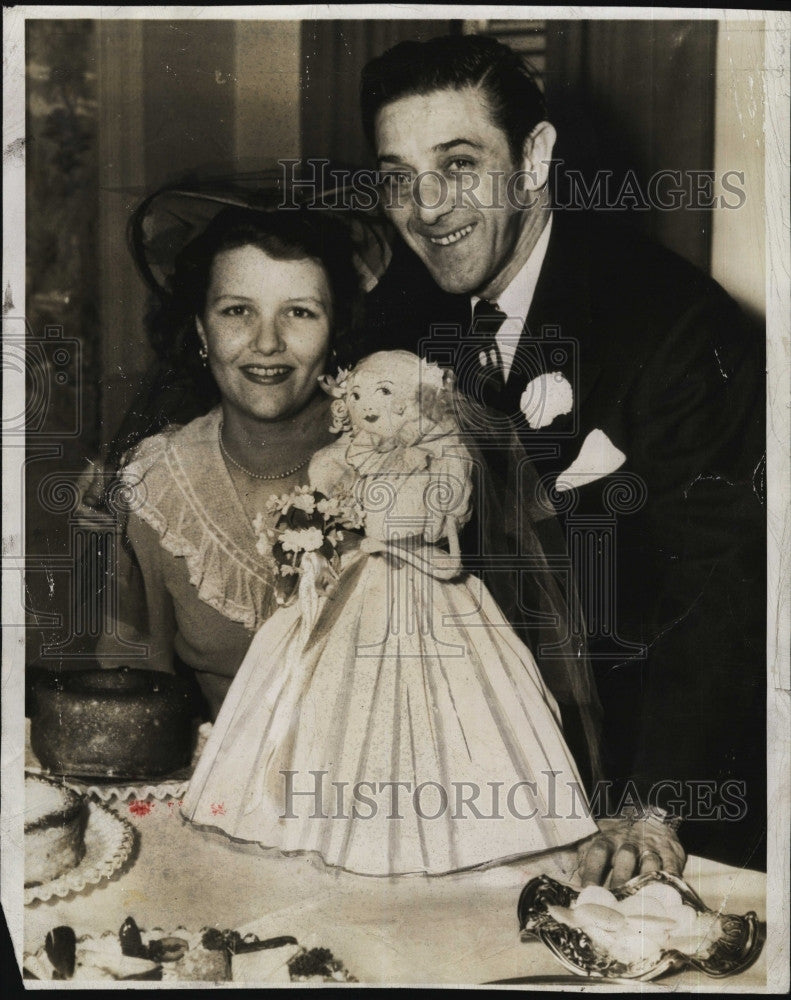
x: 638, y: 95
x: 333, y: 54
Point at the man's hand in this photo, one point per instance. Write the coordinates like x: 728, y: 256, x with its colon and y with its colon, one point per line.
x: 627, y: 848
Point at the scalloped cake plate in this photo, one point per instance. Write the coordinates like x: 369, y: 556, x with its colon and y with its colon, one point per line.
x: 108, y: 843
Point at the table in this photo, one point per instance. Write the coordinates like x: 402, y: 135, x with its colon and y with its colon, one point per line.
x: 459, y: 928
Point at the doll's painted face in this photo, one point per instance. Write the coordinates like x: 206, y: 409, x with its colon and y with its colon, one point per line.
x: 380, y: 402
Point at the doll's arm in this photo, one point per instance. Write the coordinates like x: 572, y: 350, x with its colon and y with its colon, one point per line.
x: 447, y: 501
x: 454, y: 549
x: 448, y: 497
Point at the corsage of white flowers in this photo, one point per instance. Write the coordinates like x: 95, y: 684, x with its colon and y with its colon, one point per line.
x: 308, y: 530
x: 545, y: 398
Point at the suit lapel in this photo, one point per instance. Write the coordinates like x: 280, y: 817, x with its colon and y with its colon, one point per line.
x: 558, y: 335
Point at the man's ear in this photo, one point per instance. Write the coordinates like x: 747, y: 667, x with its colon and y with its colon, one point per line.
x: 537, y: 155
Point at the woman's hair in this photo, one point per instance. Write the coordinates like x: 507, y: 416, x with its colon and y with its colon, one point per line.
x: 284, y: 235
x: 181, y: 387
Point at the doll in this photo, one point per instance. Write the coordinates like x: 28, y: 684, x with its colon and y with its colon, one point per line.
x: 391, y: 722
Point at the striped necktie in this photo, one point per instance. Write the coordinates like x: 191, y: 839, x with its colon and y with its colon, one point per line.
x: 482, y: 375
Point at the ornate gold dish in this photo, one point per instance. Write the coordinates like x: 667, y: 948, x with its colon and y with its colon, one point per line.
x: 736, y: 946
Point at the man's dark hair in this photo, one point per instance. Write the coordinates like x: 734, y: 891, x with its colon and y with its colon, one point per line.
x: 454, y: 62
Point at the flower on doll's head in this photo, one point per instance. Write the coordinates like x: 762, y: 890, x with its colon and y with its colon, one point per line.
x: 432, y: 375
x: 342, y: 376
x: 340, y: 416
x: 335, y: 386
x: 301, y: 539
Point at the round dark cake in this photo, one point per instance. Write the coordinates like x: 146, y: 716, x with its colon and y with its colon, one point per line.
x: 121, y: 723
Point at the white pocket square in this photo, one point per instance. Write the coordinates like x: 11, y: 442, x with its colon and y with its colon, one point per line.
x: 598, y: 457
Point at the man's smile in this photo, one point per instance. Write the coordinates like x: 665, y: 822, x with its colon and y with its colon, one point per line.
x: 372, y: 418
x: 450, y: 238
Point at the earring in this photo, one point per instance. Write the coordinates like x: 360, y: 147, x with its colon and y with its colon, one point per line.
x: 332, y: 362
x: 203, y: 354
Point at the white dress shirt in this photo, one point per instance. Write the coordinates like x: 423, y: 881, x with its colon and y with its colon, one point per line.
x: 515, y: 301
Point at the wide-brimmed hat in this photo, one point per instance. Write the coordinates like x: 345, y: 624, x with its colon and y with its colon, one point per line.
x: 166, y: 221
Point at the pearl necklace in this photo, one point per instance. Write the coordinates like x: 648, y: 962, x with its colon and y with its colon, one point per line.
x: 257, y: 475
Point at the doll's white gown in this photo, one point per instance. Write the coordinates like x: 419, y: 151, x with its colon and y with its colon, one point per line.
x: 408, y: 730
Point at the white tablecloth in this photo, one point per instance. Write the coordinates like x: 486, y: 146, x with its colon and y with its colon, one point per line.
x: 453, y: 929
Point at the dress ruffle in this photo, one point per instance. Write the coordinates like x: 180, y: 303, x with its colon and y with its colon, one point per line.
x: 414, y: 449
x: 412, y: 488
x: 181, y: 489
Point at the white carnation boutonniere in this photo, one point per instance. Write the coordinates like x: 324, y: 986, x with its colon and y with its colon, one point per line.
x: 545, y: 398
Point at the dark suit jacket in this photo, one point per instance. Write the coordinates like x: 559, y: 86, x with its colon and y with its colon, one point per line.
x: 668, y: 550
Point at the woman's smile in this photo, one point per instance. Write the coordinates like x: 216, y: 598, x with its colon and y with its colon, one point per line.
x: 267, y: 374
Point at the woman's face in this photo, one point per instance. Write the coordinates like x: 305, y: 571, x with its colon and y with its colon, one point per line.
x: 266, y: 326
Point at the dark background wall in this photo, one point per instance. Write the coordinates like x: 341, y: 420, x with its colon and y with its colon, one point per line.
x: 333, y: 54
x: 638, y: 96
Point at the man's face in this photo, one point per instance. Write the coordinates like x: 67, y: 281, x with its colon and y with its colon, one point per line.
x: 462, y: 228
